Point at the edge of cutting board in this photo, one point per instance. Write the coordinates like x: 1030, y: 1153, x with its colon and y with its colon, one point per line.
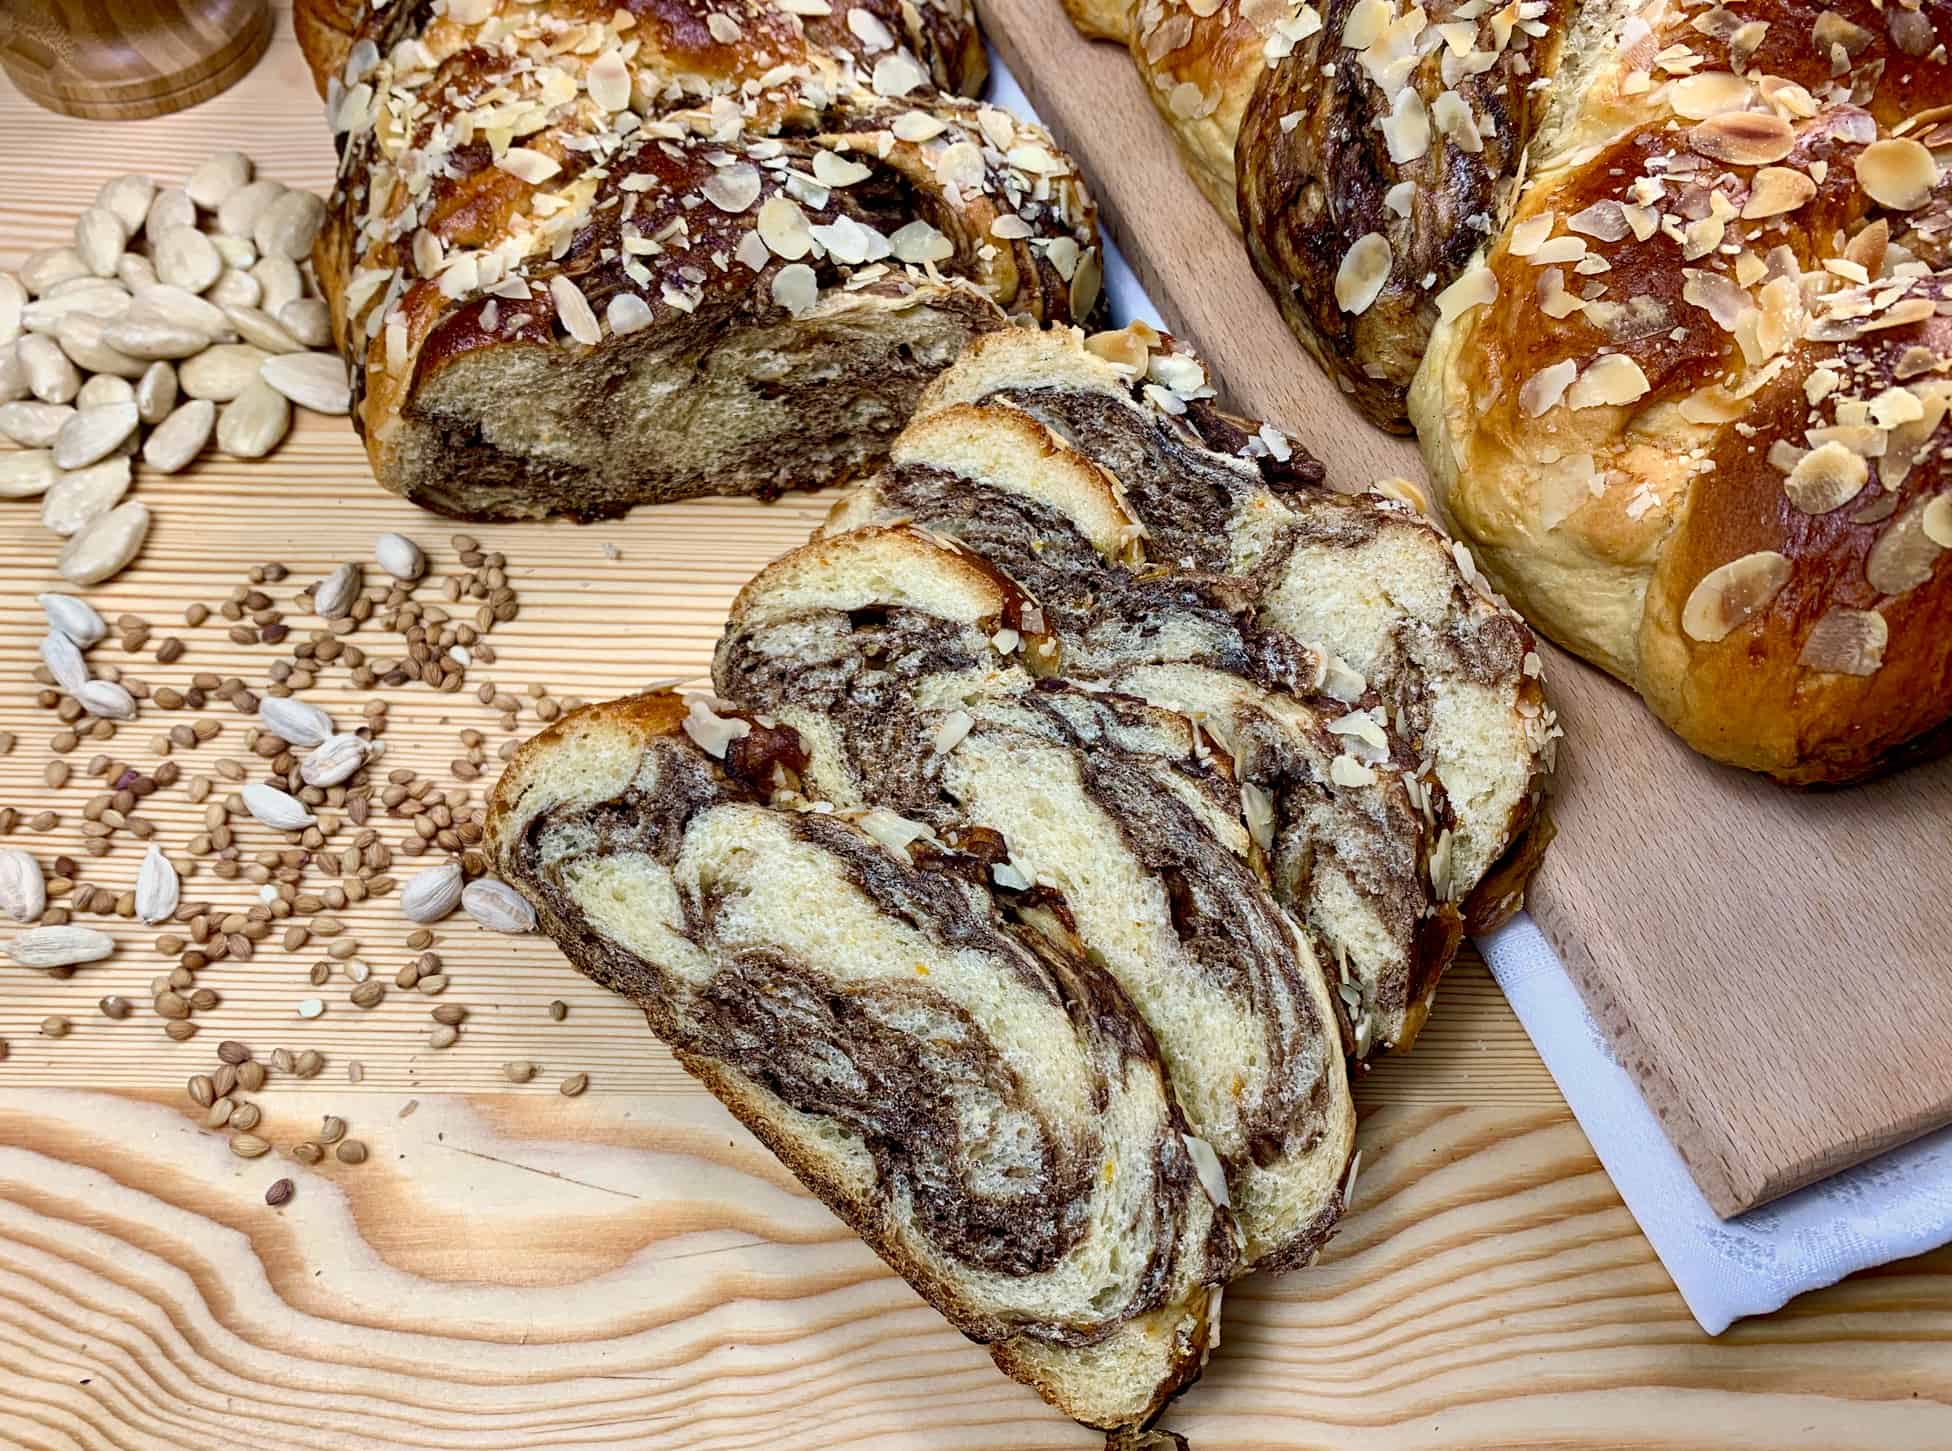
x: 1698, y: 909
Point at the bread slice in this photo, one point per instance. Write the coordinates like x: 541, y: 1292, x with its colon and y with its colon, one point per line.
x: 974, y: 1096
x: 1119, y: 813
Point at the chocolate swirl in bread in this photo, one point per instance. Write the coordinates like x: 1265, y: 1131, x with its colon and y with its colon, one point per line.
x: 975, y: 1096
x: 709, y: 248
x: 1044, y: 683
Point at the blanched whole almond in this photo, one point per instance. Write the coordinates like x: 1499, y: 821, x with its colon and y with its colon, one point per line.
x: 311, y: 380
x: 83, y: 337
x: 309, y: 320
x: 134, y: 271
x: 171, y: 207
x: 212, y: 183
x: 220, y: 373
x: 81, y: 496
x: 156, y: 392
x: 93, y: 434
x: 51, y: 265
x: 101, y: 237
x: 106, y: 547
x: 260, y: 329
x: 279, y: 282
x: 95, y: 296
x: 33, y: 424
x: 27, y: 473
x: 104, y: 389
x: 51, y: 377
x: 179, y: 438
x: 254, y: 422
x: 185, y: 258
x: 238, y: 254
x: 241, y: 209
x: 142, y: 334
x: 13, y: 377
x: 184, y: 309
x: 128, y: 196
x: 234, y: 288
x: 289, y: 226
x: 13, y: 302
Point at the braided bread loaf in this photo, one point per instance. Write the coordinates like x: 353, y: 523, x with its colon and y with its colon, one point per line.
x: 1043, y: 786
x: 582, y: 257
x: 1670, y: 280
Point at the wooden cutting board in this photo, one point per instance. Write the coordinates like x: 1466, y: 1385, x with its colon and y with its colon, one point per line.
x: 1770, y: 965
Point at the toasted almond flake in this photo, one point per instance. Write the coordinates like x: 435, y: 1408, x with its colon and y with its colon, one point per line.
x: 1733, y: 593
x: 733, y: 188
x: 1776, y: 190
x: 1476, y: 288
x: 627, y: 313
x: 1543, y: 390
x: 528, y: 165
x: 1846, y: 642
x: 1826, y: 478
x: 1406, y: 130
x: 1610, y: 380
x: 830, y: 168
x: 1898, y: 173
x: 1905, y: 554
x: 919, y: 242
x: 1364, y: 270
x: 1399, y: 197
x: 783, y: 227
x: 1009, y: 227
x: 918, y: 126
x: 868, y: 29
x: 1346, y: 770
x: 1743, y: 138
x: 1529, y: 235
x: 574, y: 311
x: 609, y: 80
x: 724, y: 29
x: 1936, y: 521
x: 1709, y: 93
x: 897, y: 75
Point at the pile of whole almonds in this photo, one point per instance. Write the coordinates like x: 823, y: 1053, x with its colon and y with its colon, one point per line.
x: 189, y: 312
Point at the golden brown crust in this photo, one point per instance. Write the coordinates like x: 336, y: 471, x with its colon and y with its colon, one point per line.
x: 560, y: 199
x: 1755, y: 296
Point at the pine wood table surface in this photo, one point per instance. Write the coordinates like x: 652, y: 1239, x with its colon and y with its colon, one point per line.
x: 512, y: 1268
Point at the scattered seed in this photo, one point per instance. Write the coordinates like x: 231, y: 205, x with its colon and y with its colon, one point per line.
x: 279, y: 1193
x: 351, y: 1151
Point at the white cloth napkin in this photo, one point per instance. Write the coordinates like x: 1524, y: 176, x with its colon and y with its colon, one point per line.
x: 1893, y: 1206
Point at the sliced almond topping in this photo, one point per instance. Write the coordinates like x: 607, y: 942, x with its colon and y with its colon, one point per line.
x: 609, y: 80
x: 1937, y: 521
x: 1543, y: 390
x: 1826, y: 478
x: 1905, y: 554
x: 1529, y: 235
x: 1476, y: 288
x: 528, y: 165
x: 783, y: 228
x: 1364, y: 270
x: 898, y: 74
x: 919, y: 242
x: 1406, y: 130
x: 830, y: 168
x: 1743, y: 138
x: 1846, y: 642
x: 1833, y: 30
x: 1898, y: 173
x: 1710, y: 93
x: 1612, y: 379
x: 796, y: 288
x: 733, y: 188
x: 1775, y: 190
x: 1735, y: 592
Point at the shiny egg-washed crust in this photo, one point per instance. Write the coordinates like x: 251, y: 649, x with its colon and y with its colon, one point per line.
x: 1817, y: 648
x: 1607, y: 513
x: 580, y: 774
x: 791, y: 223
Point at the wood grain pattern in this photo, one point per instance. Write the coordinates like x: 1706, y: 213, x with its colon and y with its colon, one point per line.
x: 513, y: 1269
x: 1767, y: 963
x: 121, y: 60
